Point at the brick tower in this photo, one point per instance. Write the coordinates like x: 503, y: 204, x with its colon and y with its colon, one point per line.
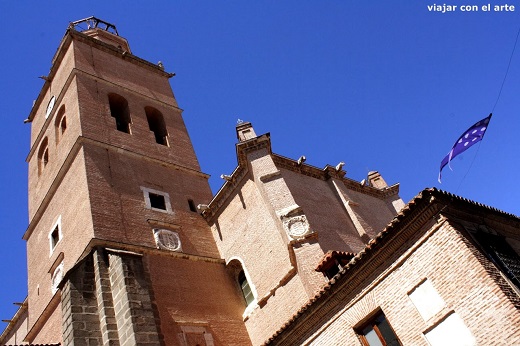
x: 117, y: 252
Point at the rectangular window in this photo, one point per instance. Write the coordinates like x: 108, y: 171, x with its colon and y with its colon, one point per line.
x: 55, y: 237
x: 55, y: 234
x: 377, y: 332
x: 157, y: 200
x: 193, y: 208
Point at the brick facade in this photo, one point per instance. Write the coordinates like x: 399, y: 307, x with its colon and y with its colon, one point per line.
x: 436, y: 248
x: 119, y: 255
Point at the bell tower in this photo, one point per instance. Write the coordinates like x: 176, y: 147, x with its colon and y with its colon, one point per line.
x: 113, y: 185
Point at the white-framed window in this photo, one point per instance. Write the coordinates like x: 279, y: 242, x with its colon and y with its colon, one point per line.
x: 57, y: 276
x: 246, y: 285
x: 55, y: 235
x: 157, y: 200
x: 167, y: 239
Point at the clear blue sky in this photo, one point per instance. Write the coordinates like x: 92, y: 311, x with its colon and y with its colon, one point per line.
x: 380, y: 85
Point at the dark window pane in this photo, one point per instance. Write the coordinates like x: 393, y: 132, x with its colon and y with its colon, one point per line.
x: 193, y: 208
x: 120, y: 111
x: 387, y: 333
x: 378, y: 332
x: 55, y: 237
x: 246, y: 289
x: 157, y: 125
x: 157, y: 201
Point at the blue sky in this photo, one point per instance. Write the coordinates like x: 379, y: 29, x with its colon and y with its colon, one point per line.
x: 380, y: 85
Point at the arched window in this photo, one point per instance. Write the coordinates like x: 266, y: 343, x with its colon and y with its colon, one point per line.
x: 246, y: 288
x: 43, y: 155
x: 60, y: 123
x: 157, y: 125
x: 120, y: 111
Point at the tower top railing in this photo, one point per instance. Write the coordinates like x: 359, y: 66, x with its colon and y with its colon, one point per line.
x: 92, y: 23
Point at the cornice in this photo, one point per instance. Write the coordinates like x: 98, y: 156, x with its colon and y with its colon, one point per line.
x: 64, y: 168
x: 264, y: 142
x: 329, y: 172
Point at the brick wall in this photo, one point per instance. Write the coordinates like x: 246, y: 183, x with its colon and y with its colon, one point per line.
x: 445, y: 258
x: 69, y: 203
x: 196, y: 295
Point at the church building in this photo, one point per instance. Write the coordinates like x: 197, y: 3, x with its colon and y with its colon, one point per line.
x: 127, y: 245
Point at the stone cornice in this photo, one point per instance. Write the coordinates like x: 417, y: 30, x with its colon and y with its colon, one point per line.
x: 330, y: 172
x: 80, y: 142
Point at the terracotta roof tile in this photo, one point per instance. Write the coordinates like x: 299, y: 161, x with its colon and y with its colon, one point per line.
x: 329, y: 259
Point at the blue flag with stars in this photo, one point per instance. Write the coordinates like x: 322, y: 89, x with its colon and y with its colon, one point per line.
x: 471, y: 136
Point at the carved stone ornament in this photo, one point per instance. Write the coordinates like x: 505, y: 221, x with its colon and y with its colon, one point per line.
x: 296, y: 226
x: 166, y: 239
x: 57, y: 276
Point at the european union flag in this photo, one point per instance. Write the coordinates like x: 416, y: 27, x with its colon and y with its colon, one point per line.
x: 471, y: 136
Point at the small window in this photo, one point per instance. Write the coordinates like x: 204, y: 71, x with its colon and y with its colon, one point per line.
x: 63, y: 125
x: 120, y: 111
x: 157, y: 200
x: 55, y: 235
x: 157, y: 125
x: 193, y: 208
x: 43, y: 155
x: 246, y: 289
x: 50, y: 106
x: 60, y: 124
x: 167, y: 240
x: 378, y: 332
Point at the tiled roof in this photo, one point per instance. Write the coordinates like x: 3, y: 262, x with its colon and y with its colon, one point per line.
x: 425, y: 197
x: 330, y: 258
